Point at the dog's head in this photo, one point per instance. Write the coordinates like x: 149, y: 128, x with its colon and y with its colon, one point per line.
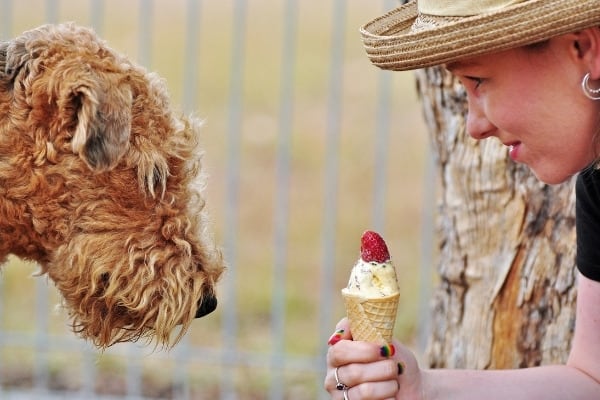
x: 115, y: 186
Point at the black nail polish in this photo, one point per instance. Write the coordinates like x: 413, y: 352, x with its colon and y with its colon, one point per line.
x: 400, y: 369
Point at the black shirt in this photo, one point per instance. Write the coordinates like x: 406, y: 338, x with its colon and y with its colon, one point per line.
x: 587, y: 209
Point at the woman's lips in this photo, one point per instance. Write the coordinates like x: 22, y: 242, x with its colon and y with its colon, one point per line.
x: 513, y: 150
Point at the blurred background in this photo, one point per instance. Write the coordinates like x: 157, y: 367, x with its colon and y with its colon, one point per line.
x: 306, y: 144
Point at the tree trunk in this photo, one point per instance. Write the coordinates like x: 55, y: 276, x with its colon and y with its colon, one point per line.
x: 506, y: 291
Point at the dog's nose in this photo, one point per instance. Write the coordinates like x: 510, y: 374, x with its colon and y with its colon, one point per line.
x: 206, y: 306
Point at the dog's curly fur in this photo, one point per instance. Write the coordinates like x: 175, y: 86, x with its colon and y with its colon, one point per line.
x: 100, y: 183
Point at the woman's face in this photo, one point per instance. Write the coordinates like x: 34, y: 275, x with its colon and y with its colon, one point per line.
x: 531, y: 100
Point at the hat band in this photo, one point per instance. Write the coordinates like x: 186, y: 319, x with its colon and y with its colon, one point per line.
x: 462, y: 8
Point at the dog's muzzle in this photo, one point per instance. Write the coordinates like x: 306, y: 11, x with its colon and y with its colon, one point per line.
x: 206, y: 306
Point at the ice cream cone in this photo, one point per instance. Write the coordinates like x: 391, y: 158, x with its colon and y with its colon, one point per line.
x: 371, y: 319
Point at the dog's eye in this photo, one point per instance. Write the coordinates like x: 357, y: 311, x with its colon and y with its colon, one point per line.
x: 157, y: 177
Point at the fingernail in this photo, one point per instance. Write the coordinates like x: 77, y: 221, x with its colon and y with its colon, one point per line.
x: 400, y: 368
x: 387, y: 351
x: 336, y: 337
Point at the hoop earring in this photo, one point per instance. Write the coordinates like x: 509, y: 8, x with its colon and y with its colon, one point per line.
x: 590, y: 93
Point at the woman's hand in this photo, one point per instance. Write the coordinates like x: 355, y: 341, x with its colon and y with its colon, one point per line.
x: 367, y: 371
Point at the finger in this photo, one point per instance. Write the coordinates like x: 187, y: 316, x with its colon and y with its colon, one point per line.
x: 348, y: 351
x: 342, y: 332
x: 354, y: 374
x: 379, y: 371
x: 372, y: 391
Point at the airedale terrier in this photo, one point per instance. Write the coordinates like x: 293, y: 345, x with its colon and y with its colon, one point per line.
x: 101, y: 184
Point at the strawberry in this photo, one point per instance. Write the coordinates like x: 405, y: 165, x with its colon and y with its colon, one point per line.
x: 373, y: 248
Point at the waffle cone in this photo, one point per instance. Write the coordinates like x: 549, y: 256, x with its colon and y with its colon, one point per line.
x: 371, y: 320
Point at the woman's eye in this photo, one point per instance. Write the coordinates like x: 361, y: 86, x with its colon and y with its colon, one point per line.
x: 477, y: 81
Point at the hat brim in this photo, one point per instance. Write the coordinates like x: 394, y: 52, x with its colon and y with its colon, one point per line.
x: 391, y: 44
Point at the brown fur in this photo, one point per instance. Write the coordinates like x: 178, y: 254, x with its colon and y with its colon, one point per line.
x: 100, y: 183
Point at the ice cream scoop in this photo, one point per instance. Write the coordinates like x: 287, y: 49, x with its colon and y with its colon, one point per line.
x: 372, y: 294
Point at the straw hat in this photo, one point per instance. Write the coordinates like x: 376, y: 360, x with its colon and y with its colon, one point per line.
x: 423, y: 33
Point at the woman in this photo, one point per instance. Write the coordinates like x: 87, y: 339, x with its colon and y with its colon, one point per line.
x: 531, y: 70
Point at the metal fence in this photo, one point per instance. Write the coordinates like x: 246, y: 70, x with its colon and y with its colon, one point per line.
x: 306, y: 145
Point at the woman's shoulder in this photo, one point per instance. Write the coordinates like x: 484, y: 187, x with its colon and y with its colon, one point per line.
x: 588, y: 181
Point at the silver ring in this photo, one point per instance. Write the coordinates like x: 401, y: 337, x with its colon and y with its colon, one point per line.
x: 339, y: 385
x: 346, y: 393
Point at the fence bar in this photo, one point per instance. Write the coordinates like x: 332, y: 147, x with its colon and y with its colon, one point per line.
x: 40, y: 374
x: 191, y: 64
x: 5, y: 33
x: 97, y: 16
x: 6, y: 18
x: 145, y: 32
x: 52, y: 11
x: 234, y: 135
x: 427, y: 250
x: 133, y: 369
x: 88, y: 361
x: 181, y: 378
x: 382, y: 136
x: 41, y: 337
x: 282, y: 202
x: 334, y: 110
x: 2, y: 338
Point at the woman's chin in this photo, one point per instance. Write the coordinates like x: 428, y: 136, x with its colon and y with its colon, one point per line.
x: 552, y: 177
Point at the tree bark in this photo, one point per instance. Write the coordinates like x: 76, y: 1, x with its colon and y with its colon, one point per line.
x: 506, y: 291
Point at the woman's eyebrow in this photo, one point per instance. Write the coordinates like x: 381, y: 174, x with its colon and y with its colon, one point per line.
x: 456, y: 65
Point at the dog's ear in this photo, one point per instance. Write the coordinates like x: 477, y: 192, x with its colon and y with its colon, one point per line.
x: 3, y: 60
x: 13, y: 55
x: 102, y: 109
x: 94, y: 103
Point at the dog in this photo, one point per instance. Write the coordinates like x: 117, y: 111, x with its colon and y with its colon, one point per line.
x: 101, y: 184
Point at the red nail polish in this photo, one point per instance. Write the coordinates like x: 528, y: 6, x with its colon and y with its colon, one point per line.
x: 336, y: 337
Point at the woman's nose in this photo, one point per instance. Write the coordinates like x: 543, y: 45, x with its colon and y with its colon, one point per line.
x: 478, y: 126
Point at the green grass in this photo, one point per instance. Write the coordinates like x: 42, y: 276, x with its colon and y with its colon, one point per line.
x: 259, y: 124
